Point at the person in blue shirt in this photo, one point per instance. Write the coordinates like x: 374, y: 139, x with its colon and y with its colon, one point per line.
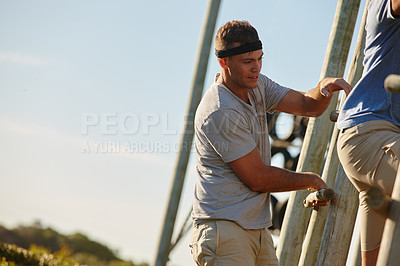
x: 369, y: 122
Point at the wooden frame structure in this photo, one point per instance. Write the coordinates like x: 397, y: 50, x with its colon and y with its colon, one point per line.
x: 322, y: 237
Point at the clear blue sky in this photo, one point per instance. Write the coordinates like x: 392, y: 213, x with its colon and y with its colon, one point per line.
x: 93, y: 96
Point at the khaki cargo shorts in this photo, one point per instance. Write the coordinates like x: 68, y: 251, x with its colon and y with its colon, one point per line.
x: 225, y: 243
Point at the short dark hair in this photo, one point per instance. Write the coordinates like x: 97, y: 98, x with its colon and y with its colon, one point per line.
x: 234, y: 32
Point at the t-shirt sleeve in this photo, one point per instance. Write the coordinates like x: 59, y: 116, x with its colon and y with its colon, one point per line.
x: 229, y: 134
x: 389, y: 11
x: 273, y: 92
x: 383, y: 9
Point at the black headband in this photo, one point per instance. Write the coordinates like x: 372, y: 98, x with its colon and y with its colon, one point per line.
x: 245, y: 48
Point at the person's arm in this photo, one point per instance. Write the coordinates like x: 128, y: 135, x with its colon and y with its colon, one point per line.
x: 262, y: 178
x: 314, y: 102
x: 396, y: 7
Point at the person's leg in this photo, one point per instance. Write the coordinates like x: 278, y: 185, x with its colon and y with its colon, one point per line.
x: 267, y: 254
x: 370, y: 157
x: 371, y: 230
x: 203, y: 253
x: 371, y: 222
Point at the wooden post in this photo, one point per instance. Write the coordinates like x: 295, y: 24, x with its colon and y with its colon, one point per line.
x: 339, y: 223
x: 392, y: 83
x: 316, y: 226
x: 378, y: 201
x: 389, y: 252
x: 315, y: 141
x: 187, y: 138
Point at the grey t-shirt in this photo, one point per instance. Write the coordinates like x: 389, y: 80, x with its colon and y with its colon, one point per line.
x: 226, y: 129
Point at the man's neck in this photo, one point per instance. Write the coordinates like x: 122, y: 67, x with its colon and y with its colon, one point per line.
x: 240, y: 92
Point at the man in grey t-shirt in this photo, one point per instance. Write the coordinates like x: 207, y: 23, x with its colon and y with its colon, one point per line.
x: 231, y: 197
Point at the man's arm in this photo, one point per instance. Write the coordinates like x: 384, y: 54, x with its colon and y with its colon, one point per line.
x: 314, y: 102
x: 396, y: 7
x: 262, y: 178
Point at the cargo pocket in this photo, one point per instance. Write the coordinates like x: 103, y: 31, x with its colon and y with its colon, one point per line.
x: 204, y: 243
x: 393, y: 150
x: 386, y: 170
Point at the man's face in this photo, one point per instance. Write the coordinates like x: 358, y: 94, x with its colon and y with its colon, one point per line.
x: 244, y: 69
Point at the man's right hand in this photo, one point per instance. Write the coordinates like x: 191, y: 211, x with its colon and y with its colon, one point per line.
x: 317, y: 182
x: 258, y: 176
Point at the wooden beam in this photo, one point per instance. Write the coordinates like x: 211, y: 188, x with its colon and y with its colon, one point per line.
x: 164, y: 245
x: 389, y: 252
x: 316, y: 226
x: 340, y: 222
x: 378, y: 201
x: 315, y: 141
x: 392, y: 83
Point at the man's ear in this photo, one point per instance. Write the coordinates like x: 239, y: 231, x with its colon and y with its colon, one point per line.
x: 222, y: 62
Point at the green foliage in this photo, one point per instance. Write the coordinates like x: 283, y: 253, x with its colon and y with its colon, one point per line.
x: 81, y: 244
x: 35, y: 245
x: 35, y: 256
